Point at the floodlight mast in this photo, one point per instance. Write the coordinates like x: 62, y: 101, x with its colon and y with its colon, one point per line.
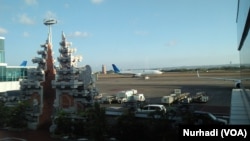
x: 49, y: 22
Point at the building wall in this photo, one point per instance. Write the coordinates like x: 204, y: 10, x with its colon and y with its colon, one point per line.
x: 243, y: 24
x: 9, y: 86
x: 9, y: 73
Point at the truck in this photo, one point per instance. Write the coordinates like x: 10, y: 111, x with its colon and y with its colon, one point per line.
x: 167, y: 99
x: 122, y: 96
x: 177, y: 96
x: 182, y: 96
x: 135, y: 97
x: 200, y: 97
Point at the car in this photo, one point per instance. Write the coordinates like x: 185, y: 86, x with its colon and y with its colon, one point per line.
x: 153, y: 108
x: 203, y: 117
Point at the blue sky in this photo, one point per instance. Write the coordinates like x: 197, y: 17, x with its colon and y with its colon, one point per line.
x: 130, y: 33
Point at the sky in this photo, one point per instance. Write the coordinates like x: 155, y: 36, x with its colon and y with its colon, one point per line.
x: 132, y: 34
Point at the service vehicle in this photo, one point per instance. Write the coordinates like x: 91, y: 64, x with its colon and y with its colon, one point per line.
x: 200, y: 97
x: 176, y: 97
x: 129, y: 95
x: 167, y: 99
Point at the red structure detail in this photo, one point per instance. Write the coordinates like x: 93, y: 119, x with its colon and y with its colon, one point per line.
x: 48, y: 91
x: 66, y: 101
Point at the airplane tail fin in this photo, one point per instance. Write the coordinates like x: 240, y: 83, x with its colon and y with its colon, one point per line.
x: 115, y: 68
x: 24, y: 63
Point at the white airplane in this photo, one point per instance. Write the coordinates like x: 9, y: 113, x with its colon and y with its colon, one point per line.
x: 237, y: 82
x: 137, y: 73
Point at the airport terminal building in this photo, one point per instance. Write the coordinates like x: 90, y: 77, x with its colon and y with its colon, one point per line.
x: 243, y: 24
x: 240, y: 102
x: 9, y: 75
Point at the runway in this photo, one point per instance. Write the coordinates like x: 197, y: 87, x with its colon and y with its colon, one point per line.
x: 219, y: 91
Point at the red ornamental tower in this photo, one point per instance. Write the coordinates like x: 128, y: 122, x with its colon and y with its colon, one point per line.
x: 50, y: 72
x: 37, y: 89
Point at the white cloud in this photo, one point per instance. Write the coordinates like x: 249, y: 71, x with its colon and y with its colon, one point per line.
x: 79, y: 34
x: 97, y: 1
x: 24, y: 19
x: 26, y: 34
x: 171, y: 43
x: 3, y: 31
x: 66, y: 5
x: 30, y: 2
x: 142, y: 33
x: 50, y: 14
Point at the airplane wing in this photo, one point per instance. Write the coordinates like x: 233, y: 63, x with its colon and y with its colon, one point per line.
x: 236, y: 81
x: 219, y: 78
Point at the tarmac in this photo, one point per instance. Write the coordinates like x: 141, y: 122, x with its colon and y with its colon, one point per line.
x: 219, y: 91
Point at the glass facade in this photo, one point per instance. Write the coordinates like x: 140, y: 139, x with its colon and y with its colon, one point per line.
x: 243, y: 24
x: 16, y: 73
x: 2, y: 50
x: 13, y: 73
x: 10, y: 73
x: 2, y: 73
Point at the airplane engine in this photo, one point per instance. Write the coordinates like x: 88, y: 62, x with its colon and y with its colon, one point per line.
x: 237, y: 84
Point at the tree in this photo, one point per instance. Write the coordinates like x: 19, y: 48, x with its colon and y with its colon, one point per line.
x: 17, y: 117
x: 96, y: 123
x: 4, y: 115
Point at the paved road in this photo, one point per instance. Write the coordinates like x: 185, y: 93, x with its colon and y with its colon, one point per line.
x: 219, y: 91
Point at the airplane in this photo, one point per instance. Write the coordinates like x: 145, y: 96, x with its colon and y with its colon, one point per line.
x: 138, y: 73
x: 237, y: 82
x: 24, y: 63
